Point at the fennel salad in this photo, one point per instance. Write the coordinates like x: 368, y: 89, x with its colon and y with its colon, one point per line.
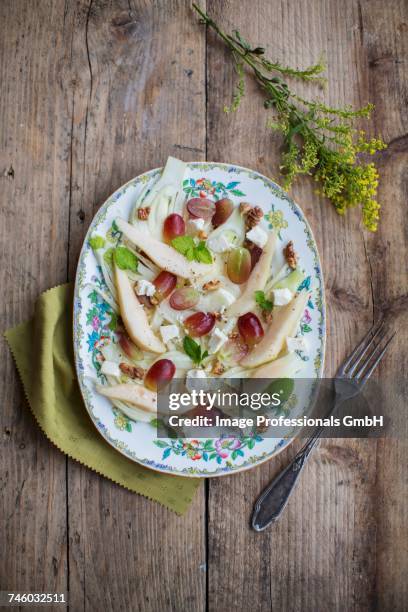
x: 194, y: 294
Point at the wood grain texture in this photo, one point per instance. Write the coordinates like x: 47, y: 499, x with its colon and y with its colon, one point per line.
x: 93, y: 93
x: 34, y: 169
x: 384, y: 30
x: 326, y: 552
x: 138, y: 95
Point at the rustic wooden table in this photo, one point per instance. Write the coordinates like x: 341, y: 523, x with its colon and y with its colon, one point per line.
x: 92, y: 94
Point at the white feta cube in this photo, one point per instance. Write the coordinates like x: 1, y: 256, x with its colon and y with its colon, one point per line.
x: 224, y: 299
x: 281, y: 297
x: 145, y: 287
x: 296, y: 344
x: 216, y: 301
x: 220, y: 243
x: 192, y: 376
x: 258, y: 236
x: 110, y: 368
x: 195, y: 225
x: 168, y: 332
x: 217, y: 341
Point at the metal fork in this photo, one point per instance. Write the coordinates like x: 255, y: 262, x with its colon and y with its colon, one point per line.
x: 349, y: 381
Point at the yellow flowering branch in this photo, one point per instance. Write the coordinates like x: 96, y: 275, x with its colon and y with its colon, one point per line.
x: 318, y: 140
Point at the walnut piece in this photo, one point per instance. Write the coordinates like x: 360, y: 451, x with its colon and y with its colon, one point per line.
x: 290, y: 255
x: 131, y: 371
x: 143, y: 213
x: 211, y: 285
x: 252, y: 214
x: 217, y: 316
x: 217, y: 368
x: 253, y: 217
x: 244, y: 208
x: 202, y: 235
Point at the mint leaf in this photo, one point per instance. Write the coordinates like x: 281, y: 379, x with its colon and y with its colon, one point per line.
x: 189, y: 254
x: 262, y: 302
x: 187, y: 247
x: 193, y: 350
x: 96, y: 242
x: 202, y: 254
x: 183, y: 244
x: 125, y: 259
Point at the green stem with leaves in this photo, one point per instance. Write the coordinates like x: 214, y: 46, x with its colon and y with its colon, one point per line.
x: 318, y: 139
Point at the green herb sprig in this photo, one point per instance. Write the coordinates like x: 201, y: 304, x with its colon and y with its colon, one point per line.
x: 318, y: 139
x: 96, y: 242
x: 187, y: 247
x: 262, y: 302
x: 125, y: 259
x: 194, y: 350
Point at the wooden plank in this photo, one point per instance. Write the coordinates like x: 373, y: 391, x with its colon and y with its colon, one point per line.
x: 34, y: 173
x: 139, y: 96
x: 384, y: 32
x: 323, y: 553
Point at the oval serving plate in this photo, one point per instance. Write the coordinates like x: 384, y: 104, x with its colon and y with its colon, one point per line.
x: 137, y: 440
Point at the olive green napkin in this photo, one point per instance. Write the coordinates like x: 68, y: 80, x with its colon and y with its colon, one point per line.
x: 42, y: 349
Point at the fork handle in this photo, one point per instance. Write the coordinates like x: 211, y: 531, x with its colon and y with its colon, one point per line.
x: 274, y: 498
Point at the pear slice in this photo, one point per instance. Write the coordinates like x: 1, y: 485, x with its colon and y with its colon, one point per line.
x: 134, y: 316
x: 285, y: 320
x: 162, y: 254
x: 257, y: 280
x: 284, y: 367
x: 134, y: 394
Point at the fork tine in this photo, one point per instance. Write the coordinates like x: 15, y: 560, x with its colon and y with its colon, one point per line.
x: 360, y: 346
x: 371, y: 369
x: 380, y: 333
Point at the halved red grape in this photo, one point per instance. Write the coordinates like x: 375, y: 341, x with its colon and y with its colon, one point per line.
x: 128, y: 347
x: 201, y: 208
x: 250, y: 328
x: 173, y: 226
x: 159, y: 374
x: 199, y: 323
x: 256, y: 253
x: 239, y: 265
x: 164, y: 283
x: 223, y: 210
x: 184, y: 298
x: 233, y: 351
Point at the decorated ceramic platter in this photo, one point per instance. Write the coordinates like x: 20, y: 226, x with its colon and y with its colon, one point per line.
x: 195, y: 271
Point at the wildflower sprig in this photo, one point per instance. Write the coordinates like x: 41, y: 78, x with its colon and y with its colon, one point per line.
x: 318, y: 139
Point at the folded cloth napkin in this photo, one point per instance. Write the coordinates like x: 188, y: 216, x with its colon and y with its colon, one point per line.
x: 43, y: 352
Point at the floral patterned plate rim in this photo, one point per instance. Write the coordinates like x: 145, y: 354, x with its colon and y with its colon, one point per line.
x: 93, y: 320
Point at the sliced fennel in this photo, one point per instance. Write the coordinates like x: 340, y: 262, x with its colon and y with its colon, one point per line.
x: 291, y: 282
x: 133, y: 217
x: 181, y: 361
x: 132, y: 412
x: 135, y: 414
x: 284, y: 271
x: 107, y: 274
x: 234, y: 225
x: 162, y: 199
